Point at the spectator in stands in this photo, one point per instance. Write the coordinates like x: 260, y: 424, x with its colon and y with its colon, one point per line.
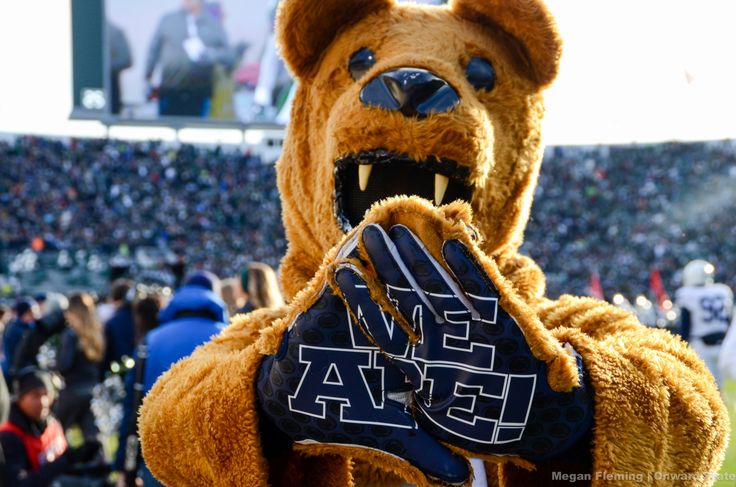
x: 138, y: 195
x: 6, y: 315
x: 105, y: 309
x: 669, y: 201
x: 247, y: 305
x: 194, y: 315
x: 40, y: 299
x: 120, y: 329
x: 50, y: 324
x: 81, y: 350
x: 263, y: 286
x: 232, y: 295
x: 33, y: 442
x: 146, y: 308
x: 26, y: 313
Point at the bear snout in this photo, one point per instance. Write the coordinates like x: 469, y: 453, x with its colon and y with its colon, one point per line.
x: 412, y: 91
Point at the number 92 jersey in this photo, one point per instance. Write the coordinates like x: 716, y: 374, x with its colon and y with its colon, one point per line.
x: 710, y: 308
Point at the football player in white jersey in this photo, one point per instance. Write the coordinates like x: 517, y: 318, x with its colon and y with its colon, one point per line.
x: 706, y: 309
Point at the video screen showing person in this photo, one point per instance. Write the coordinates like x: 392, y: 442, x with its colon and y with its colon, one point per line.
x: 197, y: 59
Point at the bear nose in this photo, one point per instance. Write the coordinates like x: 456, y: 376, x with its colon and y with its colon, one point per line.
x: 412, y: 91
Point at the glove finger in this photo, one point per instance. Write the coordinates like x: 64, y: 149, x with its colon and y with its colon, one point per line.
x: 411, y: 444
x: 476, y: 285
x: 435, y: 460
x: 349, y: 248
x: 401, y: 287
x: 440, y: 288
x: 380, y: 326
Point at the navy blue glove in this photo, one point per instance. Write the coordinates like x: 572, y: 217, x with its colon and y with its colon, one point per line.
x: 328, y: 384
x: 477, y: 384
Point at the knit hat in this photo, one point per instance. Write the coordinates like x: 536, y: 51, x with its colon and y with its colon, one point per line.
x: 204, y: 279
x: 31, y: 378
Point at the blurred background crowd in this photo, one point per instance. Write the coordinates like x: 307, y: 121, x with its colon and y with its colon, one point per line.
x: 94, y: 203
x: 87, y: 207
x: 671, y: 204
x: 78, y: 365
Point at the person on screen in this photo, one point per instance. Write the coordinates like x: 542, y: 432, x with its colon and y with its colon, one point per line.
x: 120, y: 60
x: 187, y: 45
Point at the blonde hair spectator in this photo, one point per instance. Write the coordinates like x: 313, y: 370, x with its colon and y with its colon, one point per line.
x: 82, y: 318
x: 263, y: 286
x: 232, y: 294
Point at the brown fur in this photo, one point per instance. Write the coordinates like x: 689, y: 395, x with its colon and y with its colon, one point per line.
x: 496, y: 135
x: 656, y: 407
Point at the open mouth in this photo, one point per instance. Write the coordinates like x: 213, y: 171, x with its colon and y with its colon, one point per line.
x: 365, y: 178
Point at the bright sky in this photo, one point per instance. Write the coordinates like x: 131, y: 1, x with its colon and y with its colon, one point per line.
x: 633, y: 71
x: 644, y: 70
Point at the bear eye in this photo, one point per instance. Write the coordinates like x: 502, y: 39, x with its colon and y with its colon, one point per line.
x: 481, y: 74
x: 361, y: 61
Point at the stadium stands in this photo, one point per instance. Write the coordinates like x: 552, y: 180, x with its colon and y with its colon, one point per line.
x: 616, y: 210
x: 218, y: 208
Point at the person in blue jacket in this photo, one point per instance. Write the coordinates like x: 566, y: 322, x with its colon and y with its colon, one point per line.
x: 26, y: 314
x: 194, y: 315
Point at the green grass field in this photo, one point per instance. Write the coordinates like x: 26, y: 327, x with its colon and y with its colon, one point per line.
x: 729, y: 465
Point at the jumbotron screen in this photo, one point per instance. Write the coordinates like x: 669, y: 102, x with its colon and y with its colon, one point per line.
x: 169, y: 60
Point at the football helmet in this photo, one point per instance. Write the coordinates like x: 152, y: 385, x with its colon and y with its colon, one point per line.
x: 698, y: 273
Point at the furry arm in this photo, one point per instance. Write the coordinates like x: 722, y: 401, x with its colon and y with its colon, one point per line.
x: 658, y: 412
x: 199, y: 424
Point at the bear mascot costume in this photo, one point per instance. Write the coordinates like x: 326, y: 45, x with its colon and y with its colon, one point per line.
x: 418, y: 346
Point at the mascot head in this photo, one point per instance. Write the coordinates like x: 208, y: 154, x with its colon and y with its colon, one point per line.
x: 396, y: 98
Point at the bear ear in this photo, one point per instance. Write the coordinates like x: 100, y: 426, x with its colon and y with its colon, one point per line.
x: 304, y: 28
x: 529, y: 22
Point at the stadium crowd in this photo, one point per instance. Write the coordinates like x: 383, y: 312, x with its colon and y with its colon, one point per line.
x: 618, y: 211
x: 219, y: 209
x: 621, y: 211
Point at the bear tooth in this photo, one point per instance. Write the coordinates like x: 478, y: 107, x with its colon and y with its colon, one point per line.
x: 440, y: 186
x: 364, y: 173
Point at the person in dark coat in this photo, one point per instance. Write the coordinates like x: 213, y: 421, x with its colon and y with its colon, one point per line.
x: 34, y: 448
x: 120, y: 60
x: 120, y: 328
x: 26, y: 313
x: 194, y: 315
x: 81, y: 350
